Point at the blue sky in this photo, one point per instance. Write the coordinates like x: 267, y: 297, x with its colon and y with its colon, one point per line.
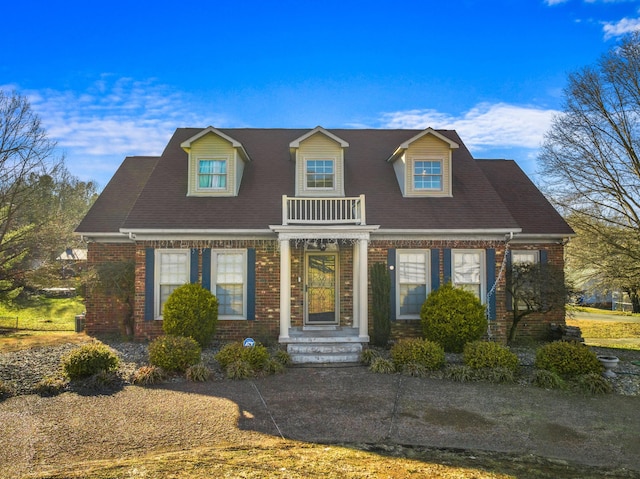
x: 114, y: 79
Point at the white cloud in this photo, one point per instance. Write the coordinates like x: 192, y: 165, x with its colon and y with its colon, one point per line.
x: 555, y: 2
x: 484, y: 126
x: 621, y: 27
x: 111, y: 119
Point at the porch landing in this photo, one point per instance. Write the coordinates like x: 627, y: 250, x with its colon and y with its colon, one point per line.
x: 324, y: 344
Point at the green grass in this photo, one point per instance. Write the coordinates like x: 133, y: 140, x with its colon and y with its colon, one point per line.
x: 586, y: 309
x: 608, y: 334
x: 41, y: 314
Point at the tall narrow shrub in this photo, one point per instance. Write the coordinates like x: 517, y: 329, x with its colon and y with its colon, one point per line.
x: 380, y: 296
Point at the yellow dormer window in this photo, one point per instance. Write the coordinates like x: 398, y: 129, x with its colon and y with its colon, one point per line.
x: 423, y: 165
x: 319, y: 157
x: 216, y: 163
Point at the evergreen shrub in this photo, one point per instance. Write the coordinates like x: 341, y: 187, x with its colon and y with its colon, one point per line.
x: 486, y: 354
x: 89, y: 359
x: 174, y: 353
x: 568, y: 359
x: 453, y: 317
x: 256, y: 356
x: 421, y: 351
x: 191, y: 311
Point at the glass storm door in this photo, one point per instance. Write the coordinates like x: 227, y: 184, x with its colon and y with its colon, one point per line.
x: 321, y: 298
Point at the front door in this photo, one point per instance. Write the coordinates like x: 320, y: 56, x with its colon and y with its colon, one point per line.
x: 321, y: 297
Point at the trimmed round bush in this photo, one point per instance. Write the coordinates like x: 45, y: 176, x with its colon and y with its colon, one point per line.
x: 453, y: 317
x: 89, y: 359
x: 191, y: 311
x: 568, y: 359
x: 485, y: 354
x: 420, y: 351
x: 256, y: 356
x: 174, y: 353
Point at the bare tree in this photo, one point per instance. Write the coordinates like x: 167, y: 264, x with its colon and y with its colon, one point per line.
x: 534, y: 288
x: 591, y: 155
x: 26, y: 155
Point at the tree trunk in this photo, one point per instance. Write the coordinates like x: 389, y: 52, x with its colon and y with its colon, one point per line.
x: 635, y: 301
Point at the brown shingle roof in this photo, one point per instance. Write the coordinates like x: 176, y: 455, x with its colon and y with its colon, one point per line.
x: 111, y: 208
x: 523, y: 199
x: 162, y: 202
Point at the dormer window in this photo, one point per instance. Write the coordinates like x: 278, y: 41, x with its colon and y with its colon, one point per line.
x: 212, y: 174
x: 216, y: 163
x: 427, y: 175
x: 423, y: 165
x: 319, y: 157
x: 320, y: 174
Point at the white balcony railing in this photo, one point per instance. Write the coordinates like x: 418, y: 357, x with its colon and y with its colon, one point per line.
x: 323, y: 211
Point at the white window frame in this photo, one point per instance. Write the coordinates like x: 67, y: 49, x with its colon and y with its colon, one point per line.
x: 158, y: 275
x: 536, y: 260
x: 214, y: 280
x: 226, y: 161
x: 528, y: 252
x: 483, y: 271
x: 427, y: 283
x: 333, y: 161
x: 413, y: 174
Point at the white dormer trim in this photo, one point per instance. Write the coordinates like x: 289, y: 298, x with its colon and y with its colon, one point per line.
x: 325, y: 150
x: 431, y: 148
x: 428, y: 131
x: 224, y: 159
x: 186, y: 145
x: 318, y: 129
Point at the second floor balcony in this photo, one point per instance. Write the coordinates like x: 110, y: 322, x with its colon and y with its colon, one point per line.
x: 323, y: 211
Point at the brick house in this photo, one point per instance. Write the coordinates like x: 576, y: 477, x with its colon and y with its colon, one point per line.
x: 282, y: 225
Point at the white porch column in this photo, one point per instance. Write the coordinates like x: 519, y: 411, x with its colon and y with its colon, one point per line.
x: 285, y: 288
x: 356, y: 285
x: 363, y: 309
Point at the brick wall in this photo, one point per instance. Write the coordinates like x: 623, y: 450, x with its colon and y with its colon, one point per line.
x: 104, y: 315
x: 534, y: 326
x: 266, y: 325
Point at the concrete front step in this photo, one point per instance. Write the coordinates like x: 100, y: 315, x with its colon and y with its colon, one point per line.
x: 327, y: 352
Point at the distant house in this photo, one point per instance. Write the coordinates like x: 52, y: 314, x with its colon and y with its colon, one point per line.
x: 282, y: 225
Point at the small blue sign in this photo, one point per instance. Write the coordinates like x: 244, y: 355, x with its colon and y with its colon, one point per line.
x: 249, y: 343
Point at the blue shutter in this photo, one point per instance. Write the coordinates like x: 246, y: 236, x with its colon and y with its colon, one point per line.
x: 193, y: 268
x: 447, y: 265
x: 391, y: 261
x: 544, y: 258
x: 491, y: 279
x: 509, y: 267
x: 251, y: 283
x: 435, y: 269
x: 206, y: 269
x: 149, y: 283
